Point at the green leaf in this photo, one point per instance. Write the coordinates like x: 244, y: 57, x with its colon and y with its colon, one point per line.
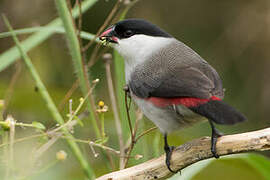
x: 259, y: 162
x: 38, y: 125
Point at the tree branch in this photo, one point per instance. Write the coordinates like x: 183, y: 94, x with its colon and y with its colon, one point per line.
x: 193, y: 152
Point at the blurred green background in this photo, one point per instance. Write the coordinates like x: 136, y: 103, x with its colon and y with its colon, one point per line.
x: 232, y: 35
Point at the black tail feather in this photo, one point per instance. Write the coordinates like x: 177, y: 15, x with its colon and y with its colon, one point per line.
x: 219, y: 112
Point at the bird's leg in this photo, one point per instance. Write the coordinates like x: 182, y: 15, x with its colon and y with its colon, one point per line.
x: 168, y: 150
x: 215, y: 135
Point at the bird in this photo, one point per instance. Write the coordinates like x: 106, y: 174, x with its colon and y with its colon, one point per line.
x: 172, y: 84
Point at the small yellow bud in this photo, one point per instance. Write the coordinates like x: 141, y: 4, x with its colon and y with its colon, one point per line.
x: 81, y: 100
x: 102, y: 108
x: 101, y: 104
x: 61, y: 155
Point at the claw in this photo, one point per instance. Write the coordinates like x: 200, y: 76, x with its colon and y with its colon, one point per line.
x: 168, y: 150
x: 168, y: 158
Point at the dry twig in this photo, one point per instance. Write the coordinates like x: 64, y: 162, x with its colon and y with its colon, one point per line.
x: 108, y: 59
x: 192, y: 152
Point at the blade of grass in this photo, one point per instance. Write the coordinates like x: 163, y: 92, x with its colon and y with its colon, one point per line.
x: 54, y: 29
x: 9, y: 56
x: 50, y: 105
x: 75, y: 50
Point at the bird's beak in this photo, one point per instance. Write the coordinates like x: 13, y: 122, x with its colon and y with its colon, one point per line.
x: 109, y: 35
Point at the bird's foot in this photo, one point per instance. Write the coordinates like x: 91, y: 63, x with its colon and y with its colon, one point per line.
x: 168, y: 151
x: 215, y: 135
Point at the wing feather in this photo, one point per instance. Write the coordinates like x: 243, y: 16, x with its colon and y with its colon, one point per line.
x: 175, y: 71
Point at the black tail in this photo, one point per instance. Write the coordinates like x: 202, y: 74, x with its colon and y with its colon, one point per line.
x: 219, y: 112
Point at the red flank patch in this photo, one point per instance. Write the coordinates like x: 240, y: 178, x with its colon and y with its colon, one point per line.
x: 186, y: 101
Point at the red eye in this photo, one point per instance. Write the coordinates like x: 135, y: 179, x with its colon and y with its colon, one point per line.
x: 128, y: 33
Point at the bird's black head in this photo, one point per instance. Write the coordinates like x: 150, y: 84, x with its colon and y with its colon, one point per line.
x: 129, y: 27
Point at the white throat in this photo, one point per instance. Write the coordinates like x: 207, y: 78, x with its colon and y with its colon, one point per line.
x: 138, y: 48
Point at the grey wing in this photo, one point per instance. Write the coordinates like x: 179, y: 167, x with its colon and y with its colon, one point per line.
x: 177, y: 73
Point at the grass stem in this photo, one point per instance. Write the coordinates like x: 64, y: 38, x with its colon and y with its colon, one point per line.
x: 74, y: 47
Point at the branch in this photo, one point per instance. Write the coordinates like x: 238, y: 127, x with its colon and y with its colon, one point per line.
x: 192, y: 152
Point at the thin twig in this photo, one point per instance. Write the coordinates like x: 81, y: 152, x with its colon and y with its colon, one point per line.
x: 75, y: 85
x: 96, y: 145
x: 132, y: 135
x: 128, y: 116
x: 93, y: 150
x: 108, y: 149
x: 133, y: 141
x: 145, y: 132
x: 139, y: 116
x: 108, y: 60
